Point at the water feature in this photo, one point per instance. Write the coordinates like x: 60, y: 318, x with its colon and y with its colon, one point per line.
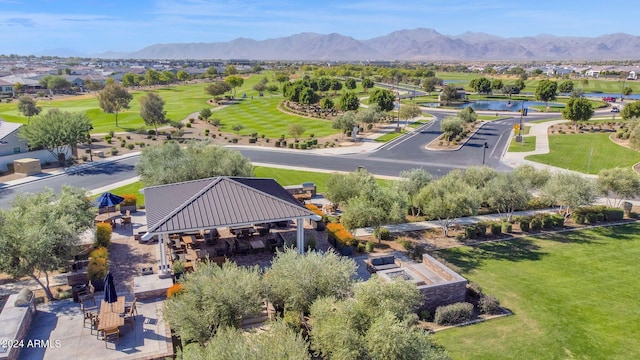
x: 494, y: 105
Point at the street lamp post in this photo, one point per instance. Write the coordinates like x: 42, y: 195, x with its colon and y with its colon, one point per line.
x: 89, y: 137
x: 519, y: 139
x: 484, y: 151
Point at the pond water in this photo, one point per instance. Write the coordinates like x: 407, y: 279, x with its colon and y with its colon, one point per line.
x: 494, y: 105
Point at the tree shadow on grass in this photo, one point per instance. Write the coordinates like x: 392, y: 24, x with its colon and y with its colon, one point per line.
x: 469, y: 258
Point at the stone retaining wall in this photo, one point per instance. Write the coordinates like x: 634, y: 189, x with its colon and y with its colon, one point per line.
x: 15, y: 321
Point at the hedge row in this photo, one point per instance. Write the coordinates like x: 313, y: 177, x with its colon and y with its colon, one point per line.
x: 340, y: 234
x: 454, y: 314
x: 594, y: 214
x: 314, y: 209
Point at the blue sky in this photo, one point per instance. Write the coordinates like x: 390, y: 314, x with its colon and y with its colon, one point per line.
x: 90, y: 26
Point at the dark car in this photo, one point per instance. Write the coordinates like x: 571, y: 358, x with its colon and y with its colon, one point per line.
x: 615, y: 109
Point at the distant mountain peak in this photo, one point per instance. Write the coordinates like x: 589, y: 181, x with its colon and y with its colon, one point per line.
x: 420, y: 44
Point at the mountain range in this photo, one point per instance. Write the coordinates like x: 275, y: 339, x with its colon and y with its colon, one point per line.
x: 405, y: 45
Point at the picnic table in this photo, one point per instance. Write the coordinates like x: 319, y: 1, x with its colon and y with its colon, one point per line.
x: 241, y: 231
x: 257, y: 244
x: 107, y: 217
x: 111, y: 314
x: 188, y: 240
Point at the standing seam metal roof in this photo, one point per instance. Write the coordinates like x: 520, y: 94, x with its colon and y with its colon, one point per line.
x: 219, y: 202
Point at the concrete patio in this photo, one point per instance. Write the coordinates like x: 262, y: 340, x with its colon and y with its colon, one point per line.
x: 61, y: 322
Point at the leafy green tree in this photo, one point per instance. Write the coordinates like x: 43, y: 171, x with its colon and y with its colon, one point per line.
x: 211, y: 72
x: 326, y: 103
x: 370, y: 115
x: 481, y: 85
x: 345, y: 122
x: 336, y: 85
x: 497, y: 84
x: 510, y: 89
x: 18, y: 87
x: 400, y: 298
x: 566, y: 87
x: 468, y: 115
x: 217, y: 88
x: 27, y: 106
x: 56, y: 130
x: 183, y: 75
x: 259, y: 87
x: 628, y: 90
x: 533, y: 179
x: 429, y: 84
x: 130, y: 79
x: 451, y: 126
x: 569, y: 190
x: 447, y: 199
x: 234, y: 81
x: 577, y: 109
x: 113, y: 98
x: 214, y: 297
x: 205, y: 114
x: 342, y: 187
x: 280, y: 342
x: 348, y: 101
x: 152, y: 110
x: 374, y: 207
x: 167, y: 77
x: 630, y: 111
x: 506, y: 193
x: 449, y: 93
x: 39, y: 234
x: 237, y: 128
x: 409, y: 111
x: 350, y: 83
x: 281, y: 77
x: 151, y: 77
x: 520, y: 84
x: 618, y: 184
x: 55, y: 84
x: 546, y: 90
x: 295, y: 130
x: 324, y: 83
x: 367, y: 84
x: 295, y: 281
x: 410, y: 184
x: 170, y: 163
x: 308, y: 96
x: 230, y: 70
x: 383, y: 98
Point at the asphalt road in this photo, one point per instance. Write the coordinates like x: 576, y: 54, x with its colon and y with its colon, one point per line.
x: 407, y: 152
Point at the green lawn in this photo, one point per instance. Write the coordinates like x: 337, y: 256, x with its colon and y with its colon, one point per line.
x: 283, y: 176
x: 390, y: 136
x: 528, y: 144
x: 262, y: 116
x: 573, y: 152
x: 573, y: 296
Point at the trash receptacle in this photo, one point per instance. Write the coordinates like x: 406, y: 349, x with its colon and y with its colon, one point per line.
x: 75, y: 290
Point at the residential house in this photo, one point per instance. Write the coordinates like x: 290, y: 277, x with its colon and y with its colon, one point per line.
x: 6, y: 89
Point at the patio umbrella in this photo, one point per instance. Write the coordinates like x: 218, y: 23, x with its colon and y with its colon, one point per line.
x: 110, y: 295
x: 108, y: 199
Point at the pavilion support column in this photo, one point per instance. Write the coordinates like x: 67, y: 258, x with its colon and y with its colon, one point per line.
x: 300, y: 235
x: 164, y: 269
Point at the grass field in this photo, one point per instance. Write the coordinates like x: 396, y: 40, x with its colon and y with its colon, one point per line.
x: 390, y: 136
x: 528, y: 144
x: 574, y: 152
x: 573, y: 296
x: 284, y: 177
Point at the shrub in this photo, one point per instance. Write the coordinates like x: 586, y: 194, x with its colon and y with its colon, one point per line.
x: 489, y: 304
x: 290, y: 145
x: 536, y: 224
x: 406, y: 244
x: 591, y: 218
x: 524, y: 225
x: 470, y: 232
x: 558, y: 220
x: 481, y: 229
x: 129, y: 200
x: 151, y: 132
x: 174, y: 290
x: 614, y: 214
x: 547, y: 222
x: 97, y: 267
x: 303, y: 146
x: 114, y: 151
x: 141, y: 130
x: 206, y: 132
x: 234, y: 140
x: 496, y: 229
x: 385, y: 234
x: 314, y: 209
x: 454, y: 314
x: 188, y: 124
x: 360, y: 248
x: 507, y: 227
x: 369, y: 246
x: 252, y: 140
x: 339, y: 234
x: 130, y: 146
x: 474, y: 291
x: 103, y: 235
